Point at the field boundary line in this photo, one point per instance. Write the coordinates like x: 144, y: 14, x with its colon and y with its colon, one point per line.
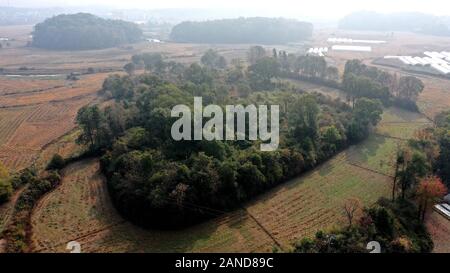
x: 87, y: 235
x: 264, y: 229
x: 392, y: 137
x: 370, y: 170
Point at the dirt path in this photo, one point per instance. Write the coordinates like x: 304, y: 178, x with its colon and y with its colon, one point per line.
x: 6, y: 211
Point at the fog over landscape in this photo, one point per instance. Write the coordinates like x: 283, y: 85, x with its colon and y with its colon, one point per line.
x: 143, y: 126
x: 326, y: 9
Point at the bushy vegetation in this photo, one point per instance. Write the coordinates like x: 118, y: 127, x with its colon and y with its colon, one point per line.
x: 361, y: 80
x: 414, y: 22
x: 10, y: 183
x: 442, y: 140
x: 156, y: 181
x: 397, y: 224
x: 392, y: 224
x: 17, y: 233
x: 242, y: 30
x: 6, y: 188
x: 56, y: 163
x: 83, y: 31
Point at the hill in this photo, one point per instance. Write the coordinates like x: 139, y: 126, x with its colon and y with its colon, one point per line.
x: 242, y: 30
x: 83, y: 31
x: 413, y: 22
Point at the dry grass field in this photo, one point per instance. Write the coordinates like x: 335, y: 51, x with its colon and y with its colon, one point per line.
x: 31, y: 120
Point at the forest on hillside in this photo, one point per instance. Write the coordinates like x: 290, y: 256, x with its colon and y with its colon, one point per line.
x: 413, y: 22
x: 83, y: 31
x: 242, y: 30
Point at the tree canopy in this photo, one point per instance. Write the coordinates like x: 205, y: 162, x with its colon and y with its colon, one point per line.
x: 83, y: 31
x: 407, y: 21
x: 242, y: 30
x: 157, y: 181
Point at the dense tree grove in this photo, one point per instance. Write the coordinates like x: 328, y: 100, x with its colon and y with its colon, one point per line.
x: 414, y: 22
x: 242, y: 30
x: 361, y: 80
x: 157, y: 181
x: 83, y: 31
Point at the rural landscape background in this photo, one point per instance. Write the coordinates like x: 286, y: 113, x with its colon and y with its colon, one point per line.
x: 62, y: 180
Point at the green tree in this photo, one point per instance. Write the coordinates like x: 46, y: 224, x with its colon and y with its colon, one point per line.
x: 255, y: 53
x: 94, y: 130
x: 410, y: 87
x: 129, y: 68
x: 56, y: 163
x: 212, y: 59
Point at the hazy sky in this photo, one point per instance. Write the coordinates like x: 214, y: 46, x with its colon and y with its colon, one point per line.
x: 293, y: 8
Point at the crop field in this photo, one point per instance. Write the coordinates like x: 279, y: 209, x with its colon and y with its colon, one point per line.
x: 88, y: 85
x: 315, y: 88
x: 284, y: 215
x: 436, y: 96
x: 401, y: 124
x: 31, y: 120
x: 439, y: 228
x: 14, y: 85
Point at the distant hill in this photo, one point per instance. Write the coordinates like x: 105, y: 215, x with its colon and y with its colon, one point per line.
x: 413, y: 22
x: 243, y: 30
x: 84, y: 31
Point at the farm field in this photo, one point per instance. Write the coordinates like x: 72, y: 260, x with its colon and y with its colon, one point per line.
x: 289, y: 212
x: 439, y: 228
x: 14, y: 85
x: 31, y: 120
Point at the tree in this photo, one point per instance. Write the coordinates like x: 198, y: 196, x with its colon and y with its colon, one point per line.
x: 399, y: 161
x: 3, y: 171
x: 256, y: 30
x: 366, y: 114
x: 255, y: 54
x: 5, y: 190
x: 312, y: 66
x: 332, y: 73
x: 351, y: 208
x: 94, y: 131
x: 415, y: 166
x: 213, y: 60
x: 304, y: 118
x: 265, y: 69
x: 5, y: 184
x: 56, y: 163
x: 129, y: 68
x: 429, y: 191
x: 83, y: 31
x: 410, y: 87
x: 331, y: 138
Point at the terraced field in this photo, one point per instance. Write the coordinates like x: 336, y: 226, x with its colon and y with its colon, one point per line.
x: 277, y: 219
x: 29, y: 121
x: 17, y: 85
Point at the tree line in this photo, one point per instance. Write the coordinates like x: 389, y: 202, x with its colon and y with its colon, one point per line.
x: 409, y: 21
x: 242, y: 30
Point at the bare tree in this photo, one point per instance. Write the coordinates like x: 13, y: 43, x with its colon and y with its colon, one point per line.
x: 351, y: 207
